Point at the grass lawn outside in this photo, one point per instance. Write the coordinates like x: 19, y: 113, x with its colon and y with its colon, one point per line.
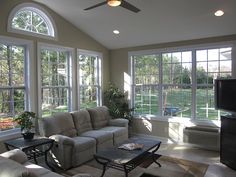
x: 181, y: 99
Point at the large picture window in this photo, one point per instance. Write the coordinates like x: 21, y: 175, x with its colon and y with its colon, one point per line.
x: 179, y: 83
x: 89, y: 69
x: 55, y: 81
x: 12, y: 84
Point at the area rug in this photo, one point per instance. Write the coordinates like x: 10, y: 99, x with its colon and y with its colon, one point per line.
x: 171, y: 167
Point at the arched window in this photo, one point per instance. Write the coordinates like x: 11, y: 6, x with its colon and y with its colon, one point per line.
x: 32, y: 19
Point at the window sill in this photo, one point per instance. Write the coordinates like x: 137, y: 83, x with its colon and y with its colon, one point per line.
x: 187, y: 122
x: 10, y: 134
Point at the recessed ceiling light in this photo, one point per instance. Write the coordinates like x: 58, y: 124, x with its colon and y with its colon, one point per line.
x: 116, y: 32
x: 219, y: 13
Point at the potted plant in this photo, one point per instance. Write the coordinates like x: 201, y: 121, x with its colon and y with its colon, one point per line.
x: 26, y: 122
x: 117, y: 103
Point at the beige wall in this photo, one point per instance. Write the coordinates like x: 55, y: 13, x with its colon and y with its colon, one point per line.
x: 68, y: 34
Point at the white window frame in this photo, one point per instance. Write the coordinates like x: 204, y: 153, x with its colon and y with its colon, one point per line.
x: 99, y: 66
x: 71, y: 57
x: 192, y: 48
x: 29, y: 80
x: 39, y: 10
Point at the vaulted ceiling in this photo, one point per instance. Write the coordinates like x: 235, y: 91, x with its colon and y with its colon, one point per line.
x: 159, y: 21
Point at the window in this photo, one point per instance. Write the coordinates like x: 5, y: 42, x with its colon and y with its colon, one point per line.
x: 55, y: 79
x: 210, y: 64
x: 146, y: 81
x: 13, y: 84
x: 89, y: 67
x: 31, y: 19
x: 178, y: 83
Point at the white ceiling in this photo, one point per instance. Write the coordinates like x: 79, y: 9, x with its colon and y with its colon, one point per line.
x: 159, y: 21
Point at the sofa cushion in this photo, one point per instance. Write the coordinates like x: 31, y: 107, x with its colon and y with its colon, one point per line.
x: 10, y: 168
x: 117, y: 131
x: 99, y: 116
x: 60, y: 123
x: 83, y: 143
x: 82, y: 121
x: 100, y: 136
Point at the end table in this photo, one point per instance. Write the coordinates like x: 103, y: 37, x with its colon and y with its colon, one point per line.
x: 34, y: 148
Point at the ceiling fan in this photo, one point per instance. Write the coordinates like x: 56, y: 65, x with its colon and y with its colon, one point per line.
x: 114, y: 3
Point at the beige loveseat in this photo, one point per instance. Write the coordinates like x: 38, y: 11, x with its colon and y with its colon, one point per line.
x: 80, y: 134
x: 14, y: 164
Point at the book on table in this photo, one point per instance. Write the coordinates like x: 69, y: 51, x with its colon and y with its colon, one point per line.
x: 131, y: 146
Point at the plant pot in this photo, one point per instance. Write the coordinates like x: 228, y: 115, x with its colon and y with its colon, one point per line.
x: 28, y: 136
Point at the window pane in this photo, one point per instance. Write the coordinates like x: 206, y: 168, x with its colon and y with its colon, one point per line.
x: 176, y: 57
x: 38, y: 24
x: 177, y: 101
x: 12, y: 101
x: 88, y: 70
x: 88, y: 97
x: 217, y: 65
x: 213, y: 66
x: 31, y: 20
x: 225, y: 53
x: 146, y: 100
x: 167, y: 73
x: 177, y: 93
x: 187, y: 57
x: 226, y: 66
x: 89, y: 79
x: 12, y: 84
x: 54, y: 100
x: 201, y: 55
x: 213, y: 55
x: 205, y: 103
x: 146, y: 69
x: 201, y: 73
x: 55, y: 81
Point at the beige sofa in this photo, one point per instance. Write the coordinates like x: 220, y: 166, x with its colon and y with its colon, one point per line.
x: 14, y: 164
x: 80, y: 134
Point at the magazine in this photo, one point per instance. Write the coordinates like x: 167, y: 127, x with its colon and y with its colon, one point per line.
x: 131, y: 146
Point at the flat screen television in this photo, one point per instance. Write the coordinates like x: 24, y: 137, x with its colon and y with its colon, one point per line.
x: 225, y: 95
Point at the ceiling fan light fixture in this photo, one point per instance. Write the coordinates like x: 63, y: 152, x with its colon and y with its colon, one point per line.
x: 113, y: 3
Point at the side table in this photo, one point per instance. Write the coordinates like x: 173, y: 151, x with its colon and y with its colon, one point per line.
x: 35, y: 148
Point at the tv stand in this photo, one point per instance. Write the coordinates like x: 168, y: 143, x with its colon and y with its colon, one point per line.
x: 228, y: 141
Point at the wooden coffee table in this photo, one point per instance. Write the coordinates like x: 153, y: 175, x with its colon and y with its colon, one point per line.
x: 127, y: 160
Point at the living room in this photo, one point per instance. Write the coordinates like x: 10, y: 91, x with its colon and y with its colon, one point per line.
x: 165, y: 58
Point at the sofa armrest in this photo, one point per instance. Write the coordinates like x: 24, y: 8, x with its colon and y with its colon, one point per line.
x: 64, y: 140
x: 120, y: 122
x: 16, y: 155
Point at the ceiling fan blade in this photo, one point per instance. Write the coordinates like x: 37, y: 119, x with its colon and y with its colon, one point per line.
x: 97, y: 5
x: 129, y: 6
